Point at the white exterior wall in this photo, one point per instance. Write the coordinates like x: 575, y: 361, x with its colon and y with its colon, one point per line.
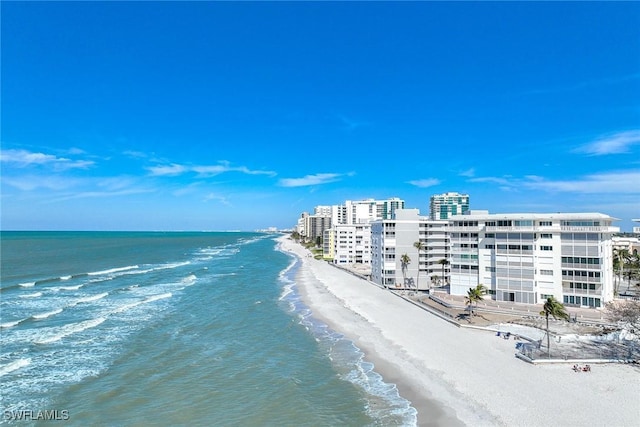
x: 528, y: 257
x: 328, y: 244
x: 352, y: 244
x: 390, y: 239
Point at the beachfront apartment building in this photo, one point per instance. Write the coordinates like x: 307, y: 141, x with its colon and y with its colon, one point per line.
x: 525, y: 258
x: 442, y: 206
x: 392, y: 238
x: 348, y: 244
x: 348, y: 240
x: 310, y: 227
x: 365, y: 211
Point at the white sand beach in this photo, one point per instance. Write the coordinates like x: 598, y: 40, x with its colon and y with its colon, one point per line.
x: 456, y: 376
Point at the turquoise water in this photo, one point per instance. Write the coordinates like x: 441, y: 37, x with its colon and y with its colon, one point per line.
x: 174, y: 329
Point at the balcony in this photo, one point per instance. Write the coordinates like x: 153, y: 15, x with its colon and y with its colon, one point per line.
x: 592, y: 229
x: 511, y: 228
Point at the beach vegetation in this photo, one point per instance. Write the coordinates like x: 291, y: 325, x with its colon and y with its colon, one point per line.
x: 405, y: 260
x: 443, y: 262
x: 624, y: 313
x: 626, y: 265
x: 474, y: 295
x: 434, y: 279
x: 553, y: 307
x: 419, y: 246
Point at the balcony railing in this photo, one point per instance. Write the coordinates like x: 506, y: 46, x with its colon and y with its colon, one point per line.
x: 595, y: 229
x: 511, y: 228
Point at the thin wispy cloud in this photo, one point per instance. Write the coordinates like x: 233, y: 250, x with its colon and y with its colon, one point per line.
x: 310, y: 180
x: 174, y: 169
x: 167, y: 170
x: 217, y: 197
x: 102, y: 194
x: 624, y: 182
x: 425, y: 183
x: 36, y: 182
x: 470, y: 173
x: 351, y: 124
x: 618, y: 143
x: 493, y: 179
x: 24, y: 158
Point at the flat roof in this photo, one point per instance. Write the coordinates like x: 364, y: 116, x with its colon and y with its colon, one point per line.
x: 558, y: 215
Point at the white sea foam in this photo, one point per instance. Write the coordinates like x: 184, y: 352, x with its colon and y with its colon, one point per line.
x: 15, y: 365
x: 112, y: 270
x: 27, y: 284
x: 73, y: 328
x: 65, y: 277
x: 189, y: 280
x: 46, y: 314
x: 172, y: 265
x: 152, y: 298
x: 33, y: 295
x: 91, y: 298
x: 7, y: 325
x: 69, y: 288
x: 157, y: 297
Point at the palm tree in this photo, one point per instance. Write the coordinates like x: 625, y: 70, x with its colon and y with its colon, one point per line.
x: 475, y: 295
x: 404, y: 264
x: 418, y: 245
x: 620, y: 257
x: 434, y: 279
x: 633, y: 268
x: 443, y: 262
x: 554, y: 308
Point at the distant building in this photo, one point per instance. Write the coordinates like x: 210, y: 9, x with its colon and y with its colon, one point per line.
x: 636, y: 230
x: 348, y: 241
x: 365, y: 211
x: 443, y: 206
x: 526, y: 258
x: 310, y: 227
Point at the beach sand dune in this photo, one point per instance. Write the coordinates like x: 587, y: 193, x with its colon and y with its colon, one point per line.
x: 455, y: 376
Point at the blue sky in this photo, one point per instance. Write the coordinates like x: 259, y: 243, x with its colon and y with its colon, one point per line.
x: 241, y: 115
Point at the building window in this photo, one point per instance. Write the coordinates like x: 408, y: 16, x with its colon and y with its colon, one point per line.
x: 546, y: 272
x: 546, y: 248
x: 546, y: 223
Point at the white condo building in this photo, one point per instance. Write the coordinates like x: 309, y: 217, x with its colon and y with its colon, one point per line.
x: 392, y: 238
x: 348, y: 244
x: 348, y: 241
x: 526, y: 258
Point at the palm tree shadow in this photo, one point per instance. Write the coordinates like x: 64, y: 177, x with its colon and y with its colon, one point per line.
x: 464, y: 316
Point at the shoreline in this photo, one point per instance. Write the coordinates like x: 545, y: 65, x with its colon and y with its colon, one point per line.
x: 455, y: 376
x: 390, y: 373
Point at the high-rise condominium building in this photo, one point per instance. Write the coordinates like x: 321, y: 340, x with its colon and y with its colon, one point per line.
x: 349, y: 238
x: 528, y: 257
x: 364, y: 211
x: 442, y: 206
x: 393, y: 238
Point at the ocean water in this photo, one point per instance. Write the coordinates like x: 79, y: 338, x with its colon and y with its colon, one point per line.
x: 199, y: 329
